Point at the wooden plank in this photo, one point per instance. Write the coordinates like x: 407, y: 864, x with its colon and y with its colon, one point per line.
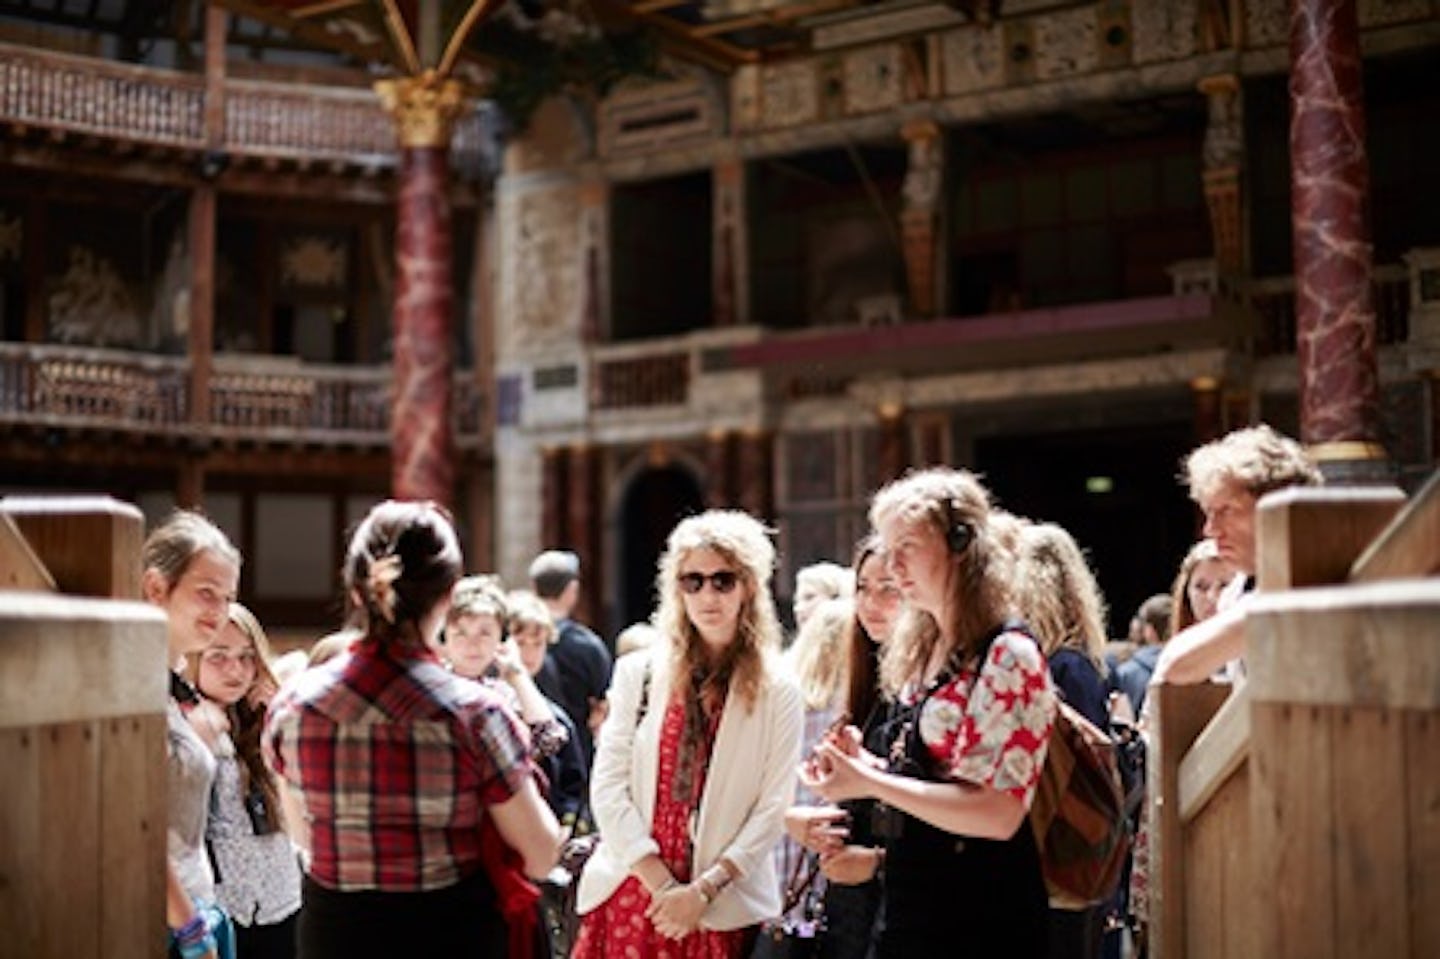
x: 1410, y: 545
x: 1205, y: 839
x: 1180, y: 713
x: 1239, y: 931
x: 132, y: 835
x: 1422, y: 821
x: 66, y: 658
x: 20, y: 568
x: 1309, y: 536
x: 90, y: 544
x: 69, y: 828
x: 1370, y: 858
x: 1217, y: 752
x: 1292, y: 823
x: 1346, y: 646
x: 21, y: 895
x: 1218, y: 886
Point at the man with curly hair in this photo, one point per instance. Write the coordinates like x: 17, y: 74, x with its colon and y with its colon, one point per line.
x: 1227, y: 478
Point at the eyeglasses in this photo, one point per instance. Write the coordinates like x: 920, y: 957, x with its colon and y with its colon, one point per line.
x: 724, y: 580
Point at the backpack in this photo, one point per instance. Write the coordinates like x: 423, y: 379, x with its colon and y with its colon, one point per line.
x: 1079, y: 814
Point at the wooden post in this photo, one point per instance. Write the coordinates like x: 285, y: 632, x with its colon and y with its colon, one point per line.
x: 1309, y: 536
x: 90, y: 544
x: 1180, y: 713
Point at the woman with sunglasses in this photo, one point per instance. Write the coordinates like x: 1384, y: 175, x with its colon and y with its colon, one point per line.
x: 696, y: 761
x: 976, y: 703
x: 257, y: 872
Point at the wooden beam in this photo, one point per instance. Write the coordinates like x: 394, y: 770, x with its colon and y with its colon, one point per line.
x: 1410, y: 545
x: 20, y: 568
x: 323, y: 7
x: 1215, y: 755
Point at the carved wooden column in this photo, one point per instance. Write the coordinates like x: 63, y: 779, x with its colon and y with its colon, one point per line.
x: 583, y: 528
x: 421, y: 427
x: 1209, y: 409
x: 755, y: 467
x: 594, y: 201
x: 919, y: 219
x: 1224, y: 157
x: 719, y: 469
x: 894, y: 458
x: 729, y: 302
x: 1334, y: 315
x: 553, y: 496
x: 190, y: 489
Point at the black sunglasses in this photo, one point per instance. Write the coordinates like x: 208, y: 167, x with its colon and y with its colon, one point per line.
x: 724, y: 580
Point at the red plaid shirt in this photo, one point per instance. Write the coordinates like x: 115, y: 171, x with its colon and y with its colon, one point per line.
x: 396, y: 759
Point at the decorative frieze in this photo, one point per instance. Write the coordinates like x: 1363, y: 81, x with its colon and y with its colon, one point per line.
x: 789, y: 94
x: 974, y: 59
x: 873, y: 79
x: 1066, y: 44
x: 1383, y: 13
x: 1162, y: 31
x: 314, y: 262
x: 91, y: 304
x: 656, y: 116
x: 1267, y: 23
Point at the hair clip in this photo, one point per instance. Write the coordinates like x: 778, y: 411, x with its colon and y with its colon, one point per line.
x: 383, y: 573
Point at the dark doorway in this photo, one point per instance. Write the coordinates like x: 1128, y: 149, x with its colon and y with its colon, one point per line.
x: 657, y: 499
x: 1114, y: 490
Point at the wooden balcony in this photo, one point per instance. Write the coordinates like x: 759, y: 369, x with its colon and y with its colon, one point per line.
x: 85, y: 97
x: 252, y: 399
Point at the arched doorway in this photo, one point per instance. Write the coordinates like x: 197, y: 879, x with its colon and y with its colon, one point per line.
x: 658, y: 497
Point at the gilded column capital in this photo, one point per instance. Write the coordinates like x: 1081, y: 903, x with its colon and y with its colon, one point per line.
x: 424, y: 108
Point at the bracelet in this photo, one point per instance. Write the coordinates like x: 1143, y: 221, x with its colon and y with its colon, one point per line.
x: 670, y: 883
x: 200, y: 947
x: 193, y: 930
x: 702, y: 888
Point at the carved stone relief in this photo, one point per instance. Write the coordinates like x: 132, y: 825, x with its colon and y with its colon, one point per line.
x: 12, y: 234
x: 541, y: 270
x: 789, y: 94
x: 1267, y: 23
x: 1066, y: 44
x: 90, y: 304
x: 1163, y: 31
x: 313, y: 261
x: 974, y: 59
x: 873, y: 79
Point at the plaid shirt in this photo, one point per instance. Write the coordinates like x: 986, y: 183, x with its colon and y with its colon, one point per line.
x: 395, y: 759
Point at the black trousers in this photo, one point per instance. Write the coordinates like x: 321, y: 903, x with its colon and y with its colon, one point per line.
x: 457, y: 921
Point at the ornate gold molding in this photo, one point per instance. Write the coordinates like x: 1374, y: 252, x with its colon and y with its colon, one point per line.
x: 1345, y: 450
x: 424, y: 108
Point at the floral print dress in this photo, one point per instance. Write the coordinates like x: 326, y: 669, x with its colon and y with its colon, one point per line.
x: 619, y: 928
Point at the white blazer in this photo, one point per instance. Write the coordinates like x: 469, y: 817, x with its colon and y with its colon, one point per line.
x: 750, y: 783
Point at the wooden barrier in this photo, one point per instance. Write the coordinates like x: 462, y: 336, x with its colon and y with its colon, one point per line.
x: 82, y: 743
x: 1300, y: 816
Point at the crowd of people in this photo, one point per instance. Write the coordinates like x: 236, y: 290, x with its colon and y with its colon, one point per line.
x: 466, y: 767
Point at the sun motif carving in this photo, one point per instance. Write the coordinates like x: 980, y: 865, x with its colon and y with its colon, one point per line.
x: 313, y: 261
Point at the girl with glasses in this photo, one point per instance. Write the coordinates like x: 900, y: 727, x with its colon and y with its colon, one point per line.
x: 258, y: 881
x: 696, y: 760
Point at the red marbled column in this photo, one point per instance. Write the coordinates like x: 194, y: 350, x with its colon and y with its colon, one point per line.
x: 719, y: 469
x: 1335, y: 320
x: 892, y: 452
x: 421, y: 433
x: 583, y: 522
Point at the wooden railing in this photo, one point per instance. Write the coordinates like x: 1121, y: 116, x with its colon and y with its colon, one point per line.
x: 1273, y: 299
x: 1296, y: 815
x: 87, y: 96
x: 257, y: 397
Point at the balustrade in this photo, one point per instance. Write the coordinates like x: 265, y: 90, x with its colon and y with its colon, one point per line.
x: 1273, y: 300
x: 90, y: 96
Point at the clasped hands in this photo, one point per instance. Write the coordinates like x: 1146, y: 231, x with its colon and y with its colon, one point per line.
x: 837, y: 769
x: 675, y: 911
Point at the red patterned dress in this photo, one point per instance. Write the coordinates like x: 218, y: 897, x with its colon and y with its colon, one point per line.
x: 618, y: 929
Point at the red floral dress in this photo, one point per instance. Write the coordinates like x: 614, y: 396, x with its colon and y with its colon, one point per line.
x: 618, y: 929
